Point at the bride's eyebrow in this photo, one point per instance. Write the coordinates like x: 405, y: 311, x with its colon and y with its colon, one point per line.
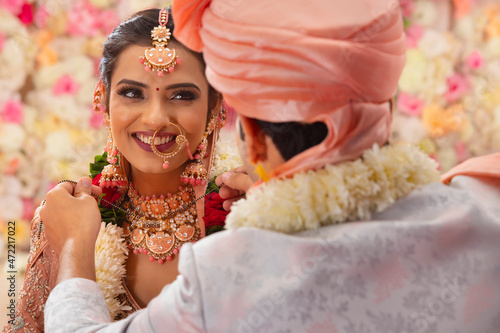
x: 183, y: 85
x: 132, y: 82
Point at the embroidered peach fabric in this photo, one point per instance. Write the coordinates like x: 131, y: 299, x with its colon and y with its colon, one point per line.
x: 338, y: 63
x: 41, y: 273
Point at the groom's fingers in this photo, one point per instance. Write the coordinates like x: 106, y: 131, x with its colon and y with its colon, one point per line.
x: 83, y: 187
x: 234, y: 184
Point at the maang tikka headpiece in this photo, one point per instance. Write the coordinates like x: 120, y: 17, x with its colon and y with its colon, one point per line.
x: 160, y: 58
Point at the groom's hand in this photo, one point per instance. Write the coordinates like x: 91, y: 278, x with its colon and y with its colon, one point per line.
x: 72, y: 221
x: 235, y: 183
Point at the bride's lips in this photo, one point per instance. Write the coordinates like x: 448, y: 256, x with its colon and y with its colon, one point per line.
x: 160, y: 135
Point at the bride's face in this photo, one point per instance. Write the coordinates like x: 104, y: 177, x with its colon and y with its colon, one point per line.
x: 141, y: 102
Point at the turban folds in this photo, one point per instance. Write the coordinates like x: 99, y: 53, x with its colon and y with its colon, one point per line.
x: 332, y: 61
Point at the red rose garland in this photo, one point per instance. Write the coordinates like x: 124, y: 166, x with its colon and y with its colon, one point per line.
x: 110, y: 194
x: 215, y: 215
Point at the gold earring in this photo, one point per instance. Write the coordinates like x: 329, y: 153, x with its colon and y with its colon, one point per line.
x: 261, y: 172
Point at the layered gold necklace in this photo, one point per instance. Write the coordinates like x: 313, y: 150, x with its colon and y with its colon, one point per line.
x: 159, y: 226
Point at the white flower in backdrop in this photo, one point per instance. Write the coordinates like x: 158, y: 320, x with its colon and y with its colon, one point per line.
x: 17, y: 52
x: 408, y: 129
x: 12, y: 137
x: 58, y: 145
x: 425, y: 13
x: 414, y: 73
x: 102, y: 4
x: 433, y: 44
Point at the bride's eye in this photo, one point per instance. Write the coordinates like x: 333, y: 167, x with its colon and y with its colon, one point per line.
x: 130, y: 92
x: 185, y: 95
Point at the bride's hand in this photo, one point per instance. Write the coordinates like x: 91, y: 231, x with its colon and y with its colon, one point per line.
x: 236, y: 183
x: 71, y: 214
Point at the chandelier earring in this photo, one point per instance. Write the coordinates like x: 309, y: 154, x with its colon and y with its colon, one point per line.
x: 110, y: 147
x: 99, y: 108
x: 179, y: 139
x: 196, y: 172
x: 112, y: 175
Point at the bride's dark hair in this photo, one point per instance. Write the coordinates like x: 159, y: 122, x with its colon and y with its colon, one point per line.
x: 137, y: 31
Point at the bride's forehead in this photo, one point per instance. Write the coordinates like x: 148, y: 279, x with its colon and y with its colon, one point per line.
x: 128, y: 64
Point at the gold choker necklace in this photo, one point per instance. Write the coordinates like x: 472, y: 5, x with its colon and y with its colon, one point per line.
x: 159, y: 226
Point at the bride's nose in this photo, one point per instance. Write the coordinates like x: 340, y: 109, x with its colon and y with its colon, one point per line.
x: 155, y: 115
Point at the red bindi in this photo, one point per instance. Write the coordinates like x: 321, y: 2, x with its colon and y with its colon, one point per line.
x: 157, y: 89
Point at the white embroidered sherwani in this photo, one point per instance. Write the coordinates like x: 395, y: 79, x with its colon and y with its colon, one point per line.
x: 429, y: 263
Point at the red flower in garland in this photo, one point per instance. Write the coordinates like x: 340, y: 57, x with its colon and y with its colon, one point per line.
x: 215, y: 215
x: 111, y: 194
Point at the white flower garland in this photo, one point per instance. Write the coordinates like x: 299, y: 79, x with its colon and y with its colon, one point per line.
x: 110, y: 256
x: 338, y: 193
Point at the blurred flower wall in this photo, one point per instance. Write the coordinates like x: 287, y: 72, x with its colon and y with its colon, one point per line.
x: 49, y: 53
x: 448, y: 100
x: 449, y: 93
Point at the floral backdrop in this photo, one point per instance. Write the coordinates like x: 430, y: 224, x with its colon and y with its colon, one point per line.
x: 448, y: 101
x: 49, y: 52
x: 449, y: 93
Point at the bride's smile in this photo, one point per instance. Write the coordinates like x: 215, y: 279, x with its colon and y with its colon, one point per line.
x: 141, y: 102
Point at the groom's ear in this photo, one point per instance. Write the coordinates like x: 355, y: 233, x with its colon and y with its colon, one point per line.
x: 255, y: 140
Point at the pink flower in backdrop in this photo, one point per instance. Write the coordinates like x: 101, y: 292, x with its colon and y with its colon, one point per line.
x: 83, y: 20
x: 407, y: 7
x: 463, y: 7
x: 410, y: 104
x: 457, y: 87
x: 2, y: 41
x: 26, y: 15
x: 65, y: 85
x: 413, y: 35
x: 461, y: 151
x: 28, y: 209
x: 12, y: 6
x: 41, y: 16
x: 87, y: 20
x: 96, y: 120
x: 12, y: 112
x: 475, y: 60
x: 51, y: 185
x: 108, y: 20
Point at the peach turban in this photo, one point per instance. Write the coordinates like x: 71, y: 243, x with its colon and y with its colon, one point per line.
x: 334, y: 61
x: 482, y: 166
